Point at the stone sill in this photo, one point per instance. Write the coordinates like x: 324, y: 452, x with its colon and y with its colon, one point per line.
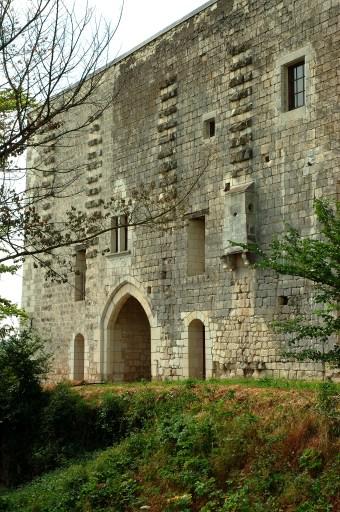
x: 117, y: 254
x: 295, y: 114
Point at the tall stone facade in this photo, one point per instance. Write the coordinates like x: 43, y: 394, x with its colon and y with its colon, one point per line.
x: 204, y: 111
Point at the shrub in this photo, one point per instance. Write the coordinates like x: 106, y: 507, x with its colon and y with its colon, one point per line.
x: 328, y: 406
x: 22, y: 365
x: 311, y: 460
x: 112, y: 418
x: 67, y: 428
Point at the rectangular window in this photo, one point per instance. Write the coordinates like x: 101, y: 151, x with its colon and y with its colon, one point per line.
x: 209, y: 128
x: 296, y: 85
x: 80, y: 275
x: 196, y: 246
x: 119, y: 234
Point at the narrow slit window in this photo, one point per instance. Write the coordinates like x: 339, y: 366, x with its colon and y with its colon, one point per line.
x: 80, y: 275
x: 296, y: 85
x: 123, y: 233
x: 196, y: 246
x: 212, y: 128
x: 114, y: 234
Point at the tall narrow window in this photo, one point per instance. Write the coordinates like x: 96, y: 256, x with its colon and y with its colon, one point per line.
x: 196, y: 350
x: 80, y: 275
x: 119, y: 234
x: 296, y: 85
x: 209, y: 128
x: 196, y: 246
x: 78, y: 363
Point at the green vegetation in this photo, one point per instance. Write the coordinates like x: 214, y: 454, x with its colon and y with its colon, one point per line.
x: 22, y: 364
x: 204, y: 447
x: 317, y: 259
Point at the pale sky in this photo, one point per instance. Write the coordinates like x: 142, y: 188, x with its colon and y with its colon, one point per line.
x: 141, y: 19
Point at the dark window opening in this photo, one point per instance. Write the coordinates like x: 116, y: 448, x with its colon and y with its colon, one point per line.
x: 209, y: 128
x: 212, y: 128
x: 282, y: 300
x: 296, y: 85
x: 119, y: 234
x: 123, y: 233
x: 80, y: 275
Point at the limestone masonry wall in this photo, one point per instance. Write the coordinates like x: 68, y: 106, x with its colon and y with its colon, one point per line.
x: 202, y: 113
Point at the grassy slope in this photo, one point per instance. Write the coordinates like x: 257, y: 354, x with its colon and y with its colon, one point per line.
x: 210, y: 447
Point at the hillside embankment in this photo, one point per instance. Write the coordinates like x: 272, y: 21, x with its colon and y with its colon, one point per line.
x: 207, y: 447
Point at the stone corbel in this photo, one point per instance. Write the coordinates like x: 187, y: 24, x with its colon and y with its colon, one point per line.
x: 229, y: 262
x: 245, y: 258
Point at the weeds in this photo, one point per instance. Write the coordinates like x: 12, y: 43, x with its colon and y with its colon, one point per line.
x: 196, y: 448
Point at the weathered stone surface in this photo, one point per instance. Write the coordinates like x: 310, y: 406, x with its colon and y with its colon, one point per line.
x: 241, y: 63
x: 148, y: 292
x: 242, y: 125
x: 240, y: 79
x: 239, y: 95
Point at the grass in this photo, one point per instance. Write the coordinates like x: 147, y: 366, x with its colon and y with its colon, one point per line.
x: 98, y: 390
x: 229, y: 446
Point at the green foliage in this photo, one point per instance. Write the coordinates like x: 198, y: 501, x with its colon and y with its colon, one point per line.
x: 7, y: 308
x: 328, y: 405
x: 112, y: 420
x: 11, y: 100
x: 212, y: 453
x: 315, y: 258
x: 68, y: 427
x: 311, y: 460
x: 22, y: 365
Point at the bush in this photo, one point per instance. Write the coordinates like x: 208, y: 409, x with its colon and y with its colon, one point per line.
x: 22, y: 365
x: 328, y: 406
x: 68, y: 428
x: 112, y: 419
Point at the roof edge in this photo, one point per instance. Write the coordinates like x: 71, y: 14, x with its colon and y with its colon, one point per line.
x: 160, y: 33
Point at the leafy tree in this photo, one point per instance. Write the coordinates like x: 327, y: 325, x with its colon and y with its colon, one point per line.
x: 316, y: 258
x: 52, y: 67
x: 44, y: 47
x: 7, y: 308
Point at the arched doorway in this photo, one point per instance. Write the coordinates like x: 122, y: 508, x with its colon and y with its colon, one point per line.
x: 78, y: 357
x: 129, y: 343
x: 196, y: 352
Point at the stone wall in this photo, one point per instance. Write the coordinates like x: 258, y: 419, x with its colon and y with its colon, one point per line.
x: 201, y: 118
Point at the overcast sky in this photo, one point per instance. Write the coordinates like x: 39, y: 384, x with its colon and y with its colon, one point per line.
x: 140, y: 20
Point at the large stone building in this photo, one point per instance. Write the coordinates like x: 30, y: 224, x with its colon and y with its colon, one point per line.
x: 233, y: 110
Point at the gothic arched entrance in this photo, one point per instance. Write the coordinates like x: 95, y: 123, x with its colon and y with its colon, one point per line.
x: 129, y: 343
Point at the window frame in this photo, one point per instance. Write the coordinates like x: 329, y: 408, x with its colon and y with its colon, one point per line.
x: 304, y: 54
x: 293, y: 87
x: 209, y: 126
x: 119, y: 234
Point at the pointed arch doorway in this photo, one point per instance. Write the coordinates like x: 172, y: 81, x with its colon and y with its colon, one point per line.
x: 127, y: 327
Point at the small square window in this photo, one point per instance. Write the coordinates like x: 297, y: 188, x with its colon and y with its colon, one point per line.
x: 209, y: 128
x: 296, y: 85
